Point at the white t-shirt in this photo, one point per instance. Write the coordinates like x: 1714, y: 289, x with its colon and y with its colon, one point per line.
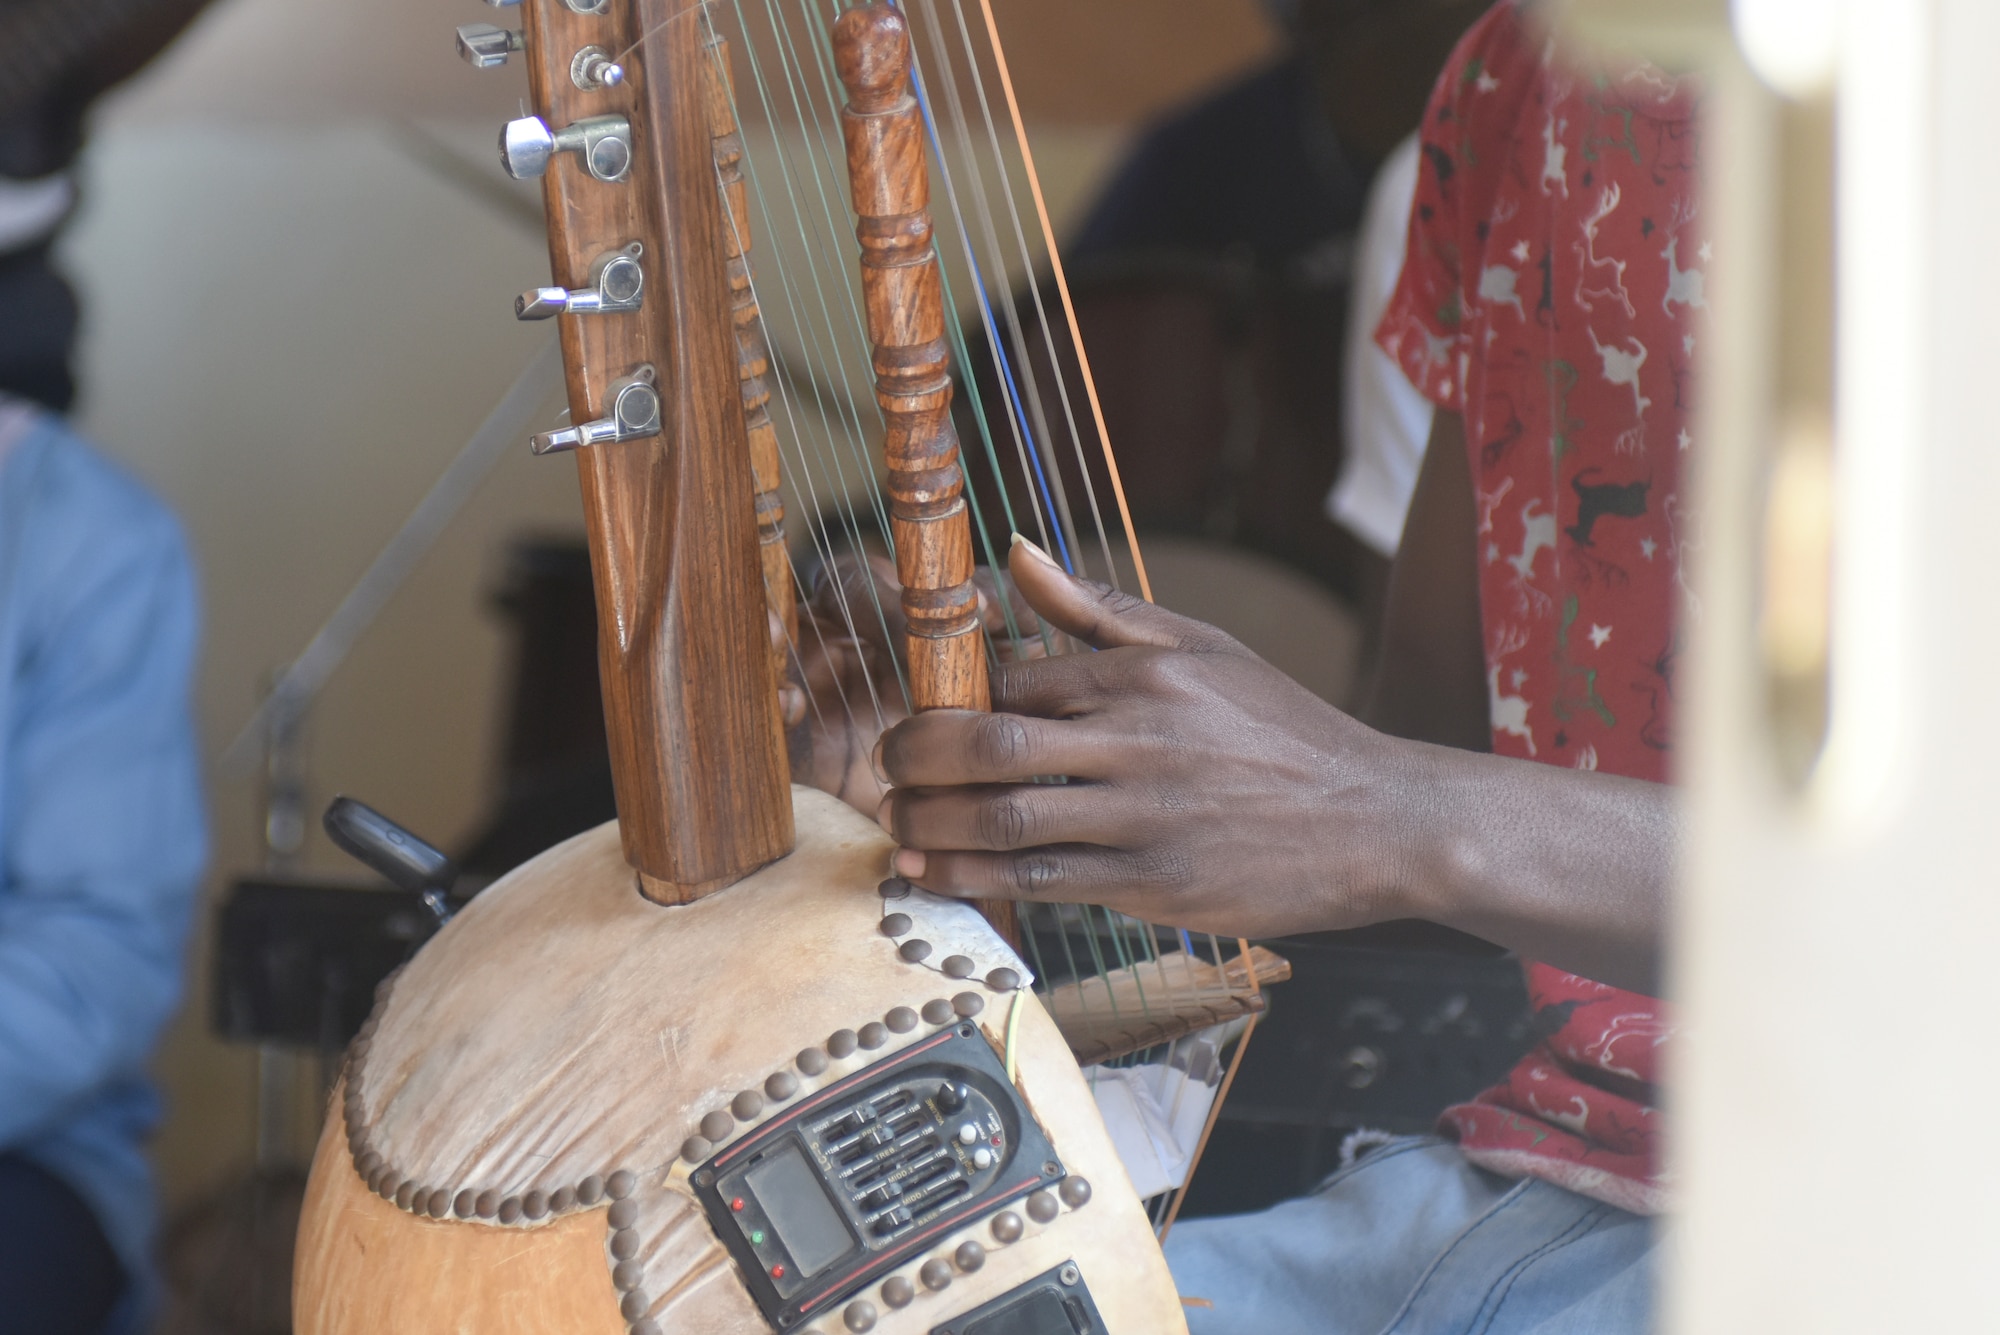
x: 1387, y: 422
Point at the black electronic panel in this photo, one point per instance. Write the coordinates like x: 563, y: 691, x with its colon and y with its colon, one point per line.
x: 868, y: 1172
x: 1055, y: 1303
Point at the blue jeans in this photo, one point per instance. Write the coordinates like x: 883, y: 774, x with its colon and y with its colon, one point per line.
x: 1413, y: 1240
x: 58, y: 1275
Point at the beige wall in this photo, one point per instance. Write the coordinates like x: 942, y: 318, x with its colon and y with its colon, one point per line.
x: 293, y: 323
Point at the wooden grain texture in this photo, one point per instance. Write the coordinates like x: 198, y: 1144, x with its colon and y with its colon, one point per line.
x: 753, y: 356
x: 903, y: 298
x: 365, y: 1267
x: 1143, y: 1005
x: 697, y: 752
x: 902, y: 294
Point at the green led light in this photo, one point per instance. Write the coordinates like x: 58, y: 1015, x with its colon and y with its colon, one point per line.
x: 757, y: 1237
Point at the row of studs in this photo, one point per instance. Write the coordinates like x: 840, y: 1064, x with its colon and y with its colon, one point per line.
x: 897, y: 1291
x: 442, y: 1202
x: 779, y: 1087
x: 720, y: 1125
x: 916, y: 950
x: 936, y: 1273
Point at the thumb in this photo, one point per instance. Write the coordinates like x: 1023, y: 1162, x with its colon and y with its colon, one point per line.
x: 1101, y: 616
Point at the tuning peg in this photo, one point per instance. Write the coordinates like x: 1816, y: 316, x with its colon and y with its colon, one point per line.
x: 592, y: 68
x: 485, y: 46
x: 604, y: 143
x: 635, y: 412
x: 616, y: 284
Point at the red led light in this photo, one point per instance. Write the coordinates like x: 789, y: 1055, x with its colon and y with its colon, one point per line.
x: 777, y: 1272
x: 736, y: 1204
x: 996, y: 1140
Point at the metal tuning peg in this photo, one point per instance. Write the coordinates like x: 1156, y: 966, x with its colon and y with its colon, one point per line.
x: 617, y: 283
x: 587, y: 6
x: 603, y: 142
x: 593, y: 68
x: 635, y: 412
x: 485, y: 46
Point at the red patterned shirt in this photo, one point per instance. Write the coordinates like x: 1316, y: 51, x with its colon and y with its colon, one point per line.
x: 1550, y: 296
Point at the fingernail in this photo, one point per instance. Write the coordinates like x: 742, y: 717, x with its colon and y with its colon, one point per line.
x: 885, y: 817
x: 875, y: 763
x: 791, y: 705
x: 908, y: 862
x: 1034, y: 551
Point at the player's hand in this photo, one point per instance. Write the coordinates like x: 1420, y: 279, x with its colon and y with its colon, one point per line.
x: 843, y: 673
x: 1204, y: 789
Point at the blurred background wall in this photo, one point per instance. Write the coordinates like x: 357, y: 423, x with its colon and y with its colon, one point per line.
x: 296, y: 253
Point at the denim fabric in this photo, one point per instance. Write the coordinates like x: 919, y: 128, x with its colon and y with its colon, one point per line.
x: 1413, y: 1240
x: 58, y: 1274
x: 101, y: 831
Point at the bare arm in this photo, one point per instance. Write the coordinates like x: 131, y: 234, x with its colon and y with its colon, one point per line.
x: 1206, y: 789
x: 1575, y: 869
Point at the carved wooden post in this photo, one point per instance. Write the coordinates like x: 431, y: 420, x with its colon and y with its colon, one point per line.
x: 753, y: 360
x: 904, y: 299
x: 697, y: 745
x: 904, y: 296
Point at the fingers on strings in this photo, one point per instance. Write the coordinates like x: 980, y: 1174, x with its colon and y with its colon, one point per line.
x: 1002, y: 818
x: 1143, y: 885
x: 954, y: 747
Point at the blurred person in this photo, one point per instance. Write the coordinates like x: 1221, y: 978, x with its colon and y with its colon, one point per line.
x: 1228, y: 277
x: 101, y: 828
x: 101, y: 849
x: 1549, y: 308
x: 56, y: 58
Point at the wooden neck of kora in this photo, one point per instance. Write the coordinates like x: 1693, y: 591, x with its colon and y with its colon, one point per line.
x: 696, y: 741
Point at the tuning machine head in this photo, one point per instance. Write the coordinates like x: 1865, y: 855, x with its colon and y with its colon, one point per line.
x: 635, y: 413
x: 603, y: 142
x: 592, y: 69
x: 617, y: 283
x: 485, y: 46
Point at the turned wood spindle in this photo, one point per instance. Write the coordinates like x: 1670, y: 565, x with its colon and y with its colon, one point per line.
x: 904, y: 298
x: 753, y: 360
x: 903, y: 295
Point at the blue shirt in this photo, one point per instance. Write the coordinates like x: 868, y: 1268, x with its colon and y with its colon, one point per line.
x: 102, y: 837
